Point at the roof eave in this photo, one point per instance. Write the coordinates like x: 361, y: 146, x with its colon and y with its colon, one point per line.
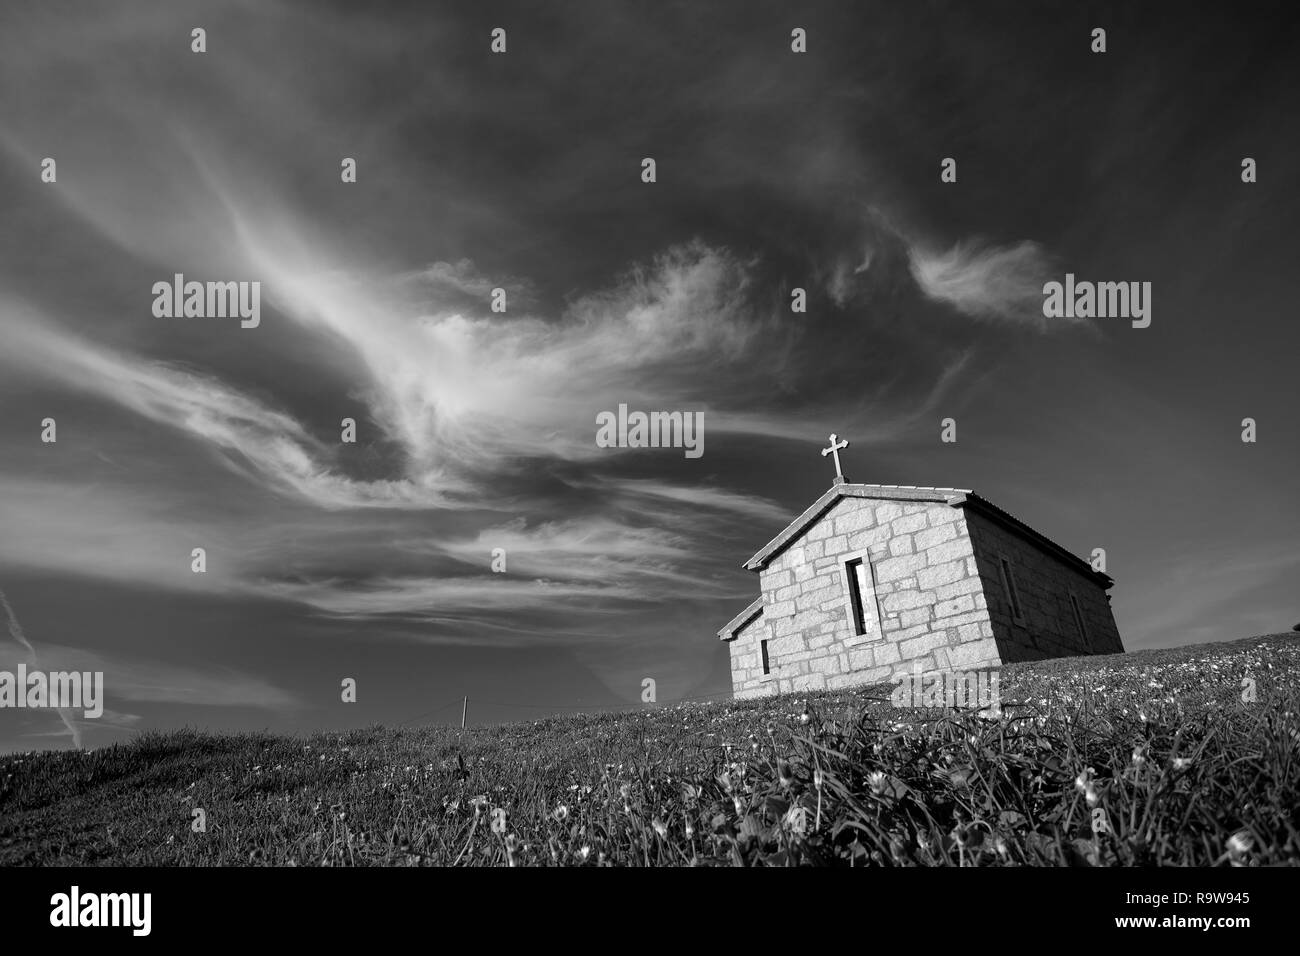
x: 728, y: 631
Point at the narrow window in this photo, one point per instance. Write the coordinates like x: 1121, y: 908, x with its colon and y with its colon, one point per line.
x: 763, y: 646
x: 1009, y: 585
x: 862, y: 597
x: 1078, y: 619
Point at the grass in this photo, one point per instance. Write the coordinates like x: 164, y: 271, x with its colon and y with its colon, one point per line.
x: 1181, y: 768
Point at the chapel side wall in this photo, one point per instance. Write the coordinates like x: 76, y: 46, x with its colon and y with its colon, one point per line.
x: 928, y: 589
x: 1043, y: 583
x: 747, y: 678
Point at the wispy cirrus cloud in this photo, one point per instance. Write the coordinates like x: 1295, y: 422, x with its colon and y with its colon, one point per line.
x: 87, y: 529
x: 146, y: 681
x: 986, y: 281
x: 582, y: 566
x: 447, y: 282
x: 975, y: 276
x: 474, y: 391
x: 132, y: 680
x: 251, y: 435
x: 696, y: 497
x: 441, y: 596
x: 572, y: 548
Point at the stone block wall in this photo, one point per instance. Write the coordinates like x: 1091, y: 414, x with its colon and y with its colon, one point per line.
x: 747, y: 657
x: 1044, y: 581
x: 929, y: 592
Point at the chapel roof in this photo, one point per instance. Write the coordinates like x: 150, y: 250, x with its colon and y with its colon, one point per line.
x: 956, y: 497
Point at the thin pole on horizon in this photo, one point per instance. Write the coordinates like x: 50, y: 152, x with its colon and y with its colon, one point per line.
x: 464, y: 706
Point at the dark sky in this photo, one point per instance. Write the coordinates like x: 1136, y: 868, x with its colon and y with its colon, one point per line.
x: 477, y: 430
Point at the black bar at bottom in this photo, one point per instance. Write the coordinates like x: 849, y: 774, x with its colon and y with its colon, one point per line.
x: 331, y: 906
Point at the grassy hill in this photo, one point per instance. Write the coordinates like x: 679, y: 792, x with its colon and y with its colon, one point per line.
x: 1181, y: 768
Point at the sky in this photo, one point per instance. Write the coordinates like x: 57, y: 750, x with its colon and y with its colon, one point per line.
x: 476, y: 430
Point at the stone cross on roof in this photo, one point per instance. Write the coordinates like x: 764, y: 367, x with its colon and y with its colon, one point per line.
x: 835, y: 450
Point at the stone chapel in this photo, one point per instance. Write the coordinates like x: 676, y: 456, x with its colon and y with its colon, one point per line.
x: 872, y: 579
